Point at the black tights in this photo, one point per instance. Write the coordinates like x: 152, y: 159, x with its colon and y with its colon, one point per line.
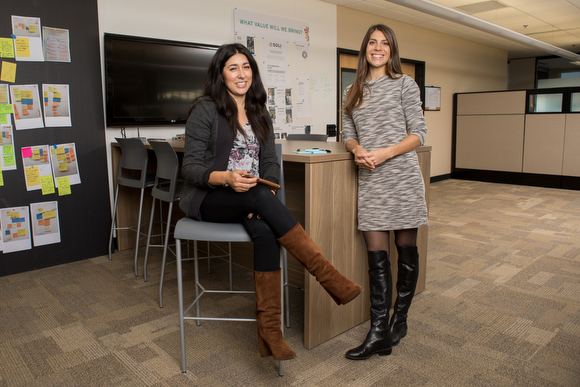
x: 224, y: 205
x: 379, y: 240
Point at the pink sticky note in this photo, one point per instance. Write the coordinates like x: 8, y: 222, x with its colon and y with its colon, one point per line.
x: 26, y: 152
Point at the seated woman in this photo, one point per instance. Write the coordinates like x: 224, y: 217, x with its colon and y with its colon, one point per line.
x: 229, y: 143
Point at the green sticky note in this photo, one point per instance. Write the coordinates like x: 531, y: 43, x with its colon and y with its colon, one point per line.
x: 6, y: 108
x: 3, y: 119
x: 47, y: 185
x: 1, y: 179
x: 9, y: 160
x: 63, y: 185
x: 6, y: 48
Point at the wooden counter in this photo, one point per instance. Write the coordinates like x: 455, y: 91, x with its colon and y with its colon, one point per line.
x: 321, y: 192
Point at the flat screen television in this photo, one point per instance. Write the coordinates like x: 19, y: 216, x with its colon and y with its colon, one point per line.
x: 152, y: 81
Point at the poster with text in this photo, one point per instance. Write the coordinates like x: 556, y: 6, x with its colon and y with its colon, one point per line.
x: 15, y: 229
x: 28, y: 38
x: 26, y: 103
x: 8, y: 159
x: 56, y: 105
x: 36, y: 163
x: 45, y: 223
x: 64, y: 163
x: 56, y: 44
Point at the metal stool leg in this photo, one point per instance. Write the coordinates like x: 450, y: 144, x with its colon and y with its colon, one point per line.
x: 180, y: 300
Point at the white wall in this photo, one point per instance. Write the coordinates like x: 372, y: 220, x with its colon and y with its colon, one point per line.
x: 212, y: 22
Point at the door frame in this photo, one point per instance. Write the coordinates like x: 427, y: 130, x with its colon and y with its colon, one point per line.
x: 419, y: 78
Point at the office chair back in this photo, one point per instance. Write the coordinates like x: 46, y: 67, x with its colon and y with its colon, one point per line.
x: 166, y: 180
x: 134, y: 157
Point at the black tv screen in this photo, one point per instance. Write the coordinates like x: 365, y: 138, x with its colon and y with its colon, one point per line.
x: 152, y: 81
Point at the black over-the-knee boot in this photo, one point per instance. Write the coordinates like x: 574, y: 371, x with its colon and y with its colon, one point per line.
x: 408, y: 273
x: 378, y: 339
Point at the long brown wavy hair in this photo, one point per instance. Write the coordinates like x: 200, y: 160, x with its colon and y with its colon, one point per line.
x: 215, y: 89
x: 354, y: 98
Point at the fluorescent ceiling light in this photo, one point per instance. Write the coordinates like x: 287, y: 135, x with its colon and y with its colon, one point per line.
x: 442, y: 12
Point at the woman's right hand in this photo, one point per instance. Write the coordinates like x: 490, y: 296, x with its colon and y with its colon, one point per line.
x: 362, y: 158
x: 240, y: 181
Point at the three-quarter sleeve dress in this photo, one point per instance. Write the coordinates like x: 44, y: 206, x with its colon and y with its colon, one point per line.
x: 392, y: 197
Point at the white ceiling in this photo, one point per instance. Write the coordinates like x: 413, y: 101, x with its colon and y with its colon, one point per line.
x: 556, y: 22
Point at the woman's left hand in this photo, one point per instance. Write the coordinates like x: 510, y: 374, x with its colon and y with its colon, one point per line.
x: 379, y: 156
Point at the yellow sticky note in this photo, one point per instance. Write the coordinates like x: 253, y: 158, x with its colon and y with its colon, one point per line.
x: 41, y: 210
x: 21, y: 232
x: 63, y: 185
x: 32, y: 176
x: 6, y: 48
x: 52, y: 89
x: 61, y: 157
x: 26, y: 94
x: 8, y: 73
x: 14, y: 215
x: 63, y: 167
x: 50, y: 214
x: 59, y: 151
x: 57, y: 95
x: 47, y: 185
x: 1, y: 179
x: 22, y: 47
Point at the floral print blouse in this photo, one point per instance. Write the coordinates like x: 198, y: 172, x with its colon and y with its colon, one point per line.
x: 245, y: 152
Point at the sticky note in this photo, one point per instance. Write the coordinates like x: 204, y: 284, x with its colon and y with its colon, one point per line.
x: 26, y: 152
x: 1, y: 179
x: 50, y: 214
x: 6, y: 48
x: 9, y: 160
x: 32, y: 176
x: 3, y: 119
x: 22, y: 232
x: 63, y: 167
x: 63, y: 185
x: 47, y: 185
x: 22, y: 47
x: 8, y: 72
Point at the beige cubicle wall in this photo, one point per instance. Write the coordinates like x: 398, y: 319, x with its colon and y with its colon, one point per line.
x: 495, y: 134
x: 490, y: 131
x: 544, y: 143
x: 571, y: 159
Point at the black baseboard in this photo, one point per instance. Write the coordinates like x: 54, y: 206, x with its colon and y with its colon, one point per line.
x: 571, y: 182
x: 531, y: 179
x: 487, y: 176
x: 435, y: 179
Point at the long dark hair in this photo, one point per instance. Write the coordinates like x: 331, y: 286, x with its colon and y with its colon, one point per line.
x: 215, y: 89
x: 354, y: 97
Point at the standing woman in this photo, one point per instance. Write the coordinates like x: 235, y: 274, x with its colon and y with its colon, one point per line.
x: 229, y: 143
x: 382, y: 125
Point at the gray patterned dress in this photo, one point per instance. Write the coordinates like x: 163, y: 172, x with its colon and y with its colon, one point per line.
x: 392, y: 197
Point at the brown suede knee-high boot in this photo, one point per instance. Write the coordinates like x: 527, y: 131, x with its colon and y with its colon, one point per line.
x: 302, y: 247
x: 268, y: 312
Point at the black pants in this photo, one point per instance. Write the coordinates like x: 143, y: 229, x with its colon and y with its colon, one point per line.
x: 224, y: 205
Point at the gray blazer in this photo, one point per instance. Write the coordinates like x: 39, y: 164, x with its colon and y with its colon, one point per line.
x: 208, y: 141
